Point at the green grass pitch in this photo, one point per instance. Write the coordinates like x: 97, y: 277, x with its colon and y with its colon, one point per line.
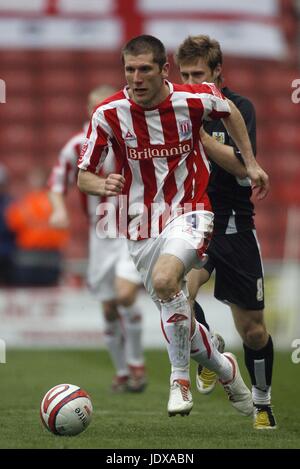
x: 137, y: 420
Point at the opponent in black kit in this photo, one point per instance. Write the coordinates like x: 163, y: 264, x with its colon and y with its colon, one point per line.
x: 234, y: 251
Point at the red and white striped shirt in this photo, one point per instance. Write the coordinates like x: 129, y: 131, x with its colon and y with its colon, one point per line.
x: 64, y: 173
x: 158, y: 150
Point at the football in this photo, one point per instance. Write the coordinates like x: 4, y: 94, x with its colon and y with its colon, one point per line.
x: 66, y: 410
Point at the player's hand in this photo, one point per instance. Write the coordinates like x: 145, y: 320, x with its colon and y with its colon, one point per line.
x: 260, y: 181
x: 59, y: 220
x: 113, y: 185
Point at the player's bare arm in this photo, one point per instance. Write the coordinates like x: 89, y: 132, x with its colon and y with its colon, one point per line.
x: 59, y: 217
x: 223, y: 155
x: 95, y: 185
x: 236, y: 128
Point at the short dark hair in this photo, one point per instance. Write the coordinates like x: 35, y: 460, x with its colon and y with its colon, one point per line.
x: 195, y: 47
x: 145, y: 44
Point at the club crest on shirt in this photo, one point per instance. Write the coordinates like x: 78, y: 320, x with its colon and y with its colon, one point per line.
x: 185, y: 128
x: 219, y: 136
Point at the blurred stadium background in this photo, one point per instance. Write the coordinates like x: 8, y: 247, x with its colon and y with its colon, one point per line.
x: 52, y: 53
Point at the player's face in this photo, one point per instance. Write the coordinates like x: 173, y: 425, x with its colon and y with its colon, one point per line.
x: 145, y: 79
x: 195, y: 73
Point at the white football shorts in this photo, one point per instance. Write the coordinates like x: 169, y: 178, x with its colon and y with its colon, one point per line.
x: 125, y: 267
x: 108, y: 258
x: 185, y: 237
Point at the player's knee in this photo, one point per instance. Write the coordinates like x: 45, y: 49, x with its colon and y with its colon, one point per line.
x: 165, y: 285
x: 126, y: 297
x: 256, y: 336
x: 126, y: 292
x: 110, y: 311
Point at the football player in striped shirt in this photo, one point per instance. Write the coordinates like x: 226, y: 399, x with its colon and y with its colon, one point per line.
x: 162, y: 173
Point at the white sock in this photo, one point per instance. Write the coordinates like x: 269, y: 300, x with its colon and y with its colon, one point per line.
x: 115, y: 344
x: 261, y: 397
x: 205, y: 352
x: 176, y: 326
x: 132, y: 325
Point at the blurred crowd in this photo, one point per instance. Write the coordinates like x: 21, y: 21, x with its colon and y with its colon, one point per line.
x: 30, y: 249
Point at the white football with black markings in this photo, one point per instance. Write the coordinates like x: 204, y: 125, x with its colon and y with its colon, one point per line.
x: 66, y: 410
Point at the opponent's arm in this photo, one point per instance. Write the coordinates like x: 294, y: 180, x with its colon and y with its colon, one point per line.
x: 236, y: 128
x: 223, y: 155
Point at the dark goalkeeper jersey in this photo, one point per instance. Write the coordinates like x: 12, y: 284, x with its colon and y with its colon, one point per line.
x: 230, y: 196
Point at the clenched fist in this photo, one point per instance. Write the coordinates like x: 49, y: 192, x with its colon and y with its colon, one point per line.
x: 113, y: 185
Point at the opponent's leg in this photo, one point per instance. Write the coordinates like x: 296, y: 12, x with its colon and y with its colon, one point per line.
x: 259, y: 356
x: 204, y: 351
x: 206, y: 379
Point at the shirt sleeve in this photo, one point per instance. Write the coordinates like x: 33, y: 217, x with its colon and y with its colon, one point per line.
x: 65, y: 171
x: 95, y: 148
x: 247, y: 110
x: 214, y: 102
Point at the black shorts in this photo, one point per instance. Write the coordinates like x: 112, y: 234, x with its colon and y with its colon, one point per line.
x: 239, y: 274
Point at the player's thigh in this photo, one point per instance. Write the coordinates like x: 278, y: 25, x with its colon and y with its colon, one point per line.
x: 144, y: 254
x: 239, y: 274
x: 187, y: 237
x: 181, y: 240
x: 168, y: 266
x: 148, y: 255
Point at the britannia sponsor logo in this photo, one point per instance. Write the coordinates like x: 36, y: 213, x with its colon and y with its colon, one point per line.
x: 159, y: 151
